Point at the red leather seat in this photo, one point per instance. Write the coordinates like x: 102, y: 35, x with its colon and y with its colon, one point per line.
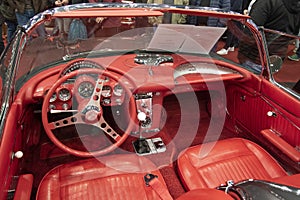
x: 212, y: 164
x: 205, y: 194
x: 111, y: 177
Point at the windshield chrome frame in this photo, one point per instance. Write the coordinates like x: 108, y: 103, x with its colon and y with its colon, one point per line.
x: 10, y: 80
x: 48, y: 14
x: 268, y: 75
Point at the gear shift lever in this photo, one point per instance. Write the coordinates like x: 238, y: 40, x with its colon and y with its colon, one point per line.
x: 141, y: 116
x: 141, y: 146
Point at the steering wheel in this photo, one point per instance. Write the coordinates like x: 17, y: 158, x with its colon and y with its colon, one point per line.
x: 91, y: 113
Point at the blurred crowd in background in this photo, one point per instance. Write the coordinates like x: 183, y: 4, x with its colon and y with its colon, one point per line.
x: 272, y: 14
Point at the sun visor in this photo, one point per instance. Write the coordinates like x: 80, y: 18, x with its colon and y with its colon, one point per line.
x: 186, y: 38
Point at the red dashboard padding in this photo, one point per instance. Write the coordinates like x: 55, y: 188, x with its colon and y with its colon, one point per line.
x: 212, y: 164
x: 115, y: 177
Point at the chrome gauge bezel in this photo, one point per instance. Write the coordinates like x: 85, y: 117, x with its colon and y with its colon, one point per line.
x: 53, y: 97
x: 86, y: 87
x: 118, y: 90
x: 64, y: 94
x: 106, y: 91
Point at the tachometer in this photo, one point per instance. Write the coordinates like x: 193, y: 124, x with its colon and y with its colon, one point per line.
x: 84, y: 87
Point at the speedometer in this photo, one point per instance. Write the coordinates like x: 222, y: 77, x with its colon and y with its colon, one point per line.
x: 85, y: 89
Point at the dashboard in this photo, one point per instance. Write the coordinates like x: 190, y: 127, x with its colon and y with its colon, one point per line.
x: 149, y: 82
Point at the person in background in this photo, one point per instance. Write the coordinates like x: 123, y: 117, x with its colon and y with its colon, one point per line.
x: 78, y: 1
x: 297, y: 43
x: 7, y: 16
x: 277, y: 15
x: 9, y: 19
x: 1, y: 36
x: 209, y: 21
x: 248, y: 6
x: 245, y: 5
x: 105, y: 26
x: 62, y: 25
x: 296, y: 56
x: 26, y: 9
x: 204, y: 21
x: 168, y: 17
x: 231, y: 40
x: 140, y: 1
x: 77, y: 29
x: 280, y: 15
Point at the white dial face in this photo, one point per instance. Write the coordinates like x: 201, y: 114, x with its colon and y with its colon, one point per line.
x: 118, y: 90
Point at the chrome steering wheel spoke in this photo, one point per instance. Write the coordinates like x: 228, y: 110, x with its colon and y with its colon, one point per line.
x: 103, y: 125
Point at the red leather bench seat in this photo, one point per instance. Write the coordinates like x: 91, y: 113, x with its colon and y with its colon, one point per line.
x: 111, y: 177
x: 212, y: 164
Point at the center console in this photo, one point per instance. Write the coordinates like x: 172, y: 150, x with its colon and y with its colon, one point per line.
x: 146, y: 114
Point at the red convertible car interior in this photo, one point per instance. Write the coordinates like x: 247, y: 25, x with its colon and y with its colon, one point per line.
x: 128, y: 104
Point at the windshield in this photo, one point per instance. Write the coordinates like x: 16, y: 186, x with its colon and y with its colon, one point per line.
x: 63, y: 34
x: 98, y: 39
x: 105, y: 31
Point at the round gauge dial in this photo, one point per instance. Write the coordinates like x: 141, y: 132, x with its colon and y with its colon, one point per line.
x: 85, y: 89
x: 53, y: 98
x: 118, y: 90
x: 64, y: 94
x: 106, y: 91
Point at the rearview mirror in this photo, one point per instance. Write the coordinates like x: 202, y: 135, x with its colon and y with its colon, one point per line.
x: 275, y: 63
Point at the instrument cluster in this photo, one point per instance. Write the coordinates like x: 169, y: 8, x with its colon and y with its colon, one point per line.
x: 61, y: 98
x: 112, y: 92
x: 80, y: 89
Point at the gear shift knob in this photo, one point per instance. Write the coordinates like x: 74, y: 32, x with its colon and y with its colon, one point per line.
x: 141, y: 116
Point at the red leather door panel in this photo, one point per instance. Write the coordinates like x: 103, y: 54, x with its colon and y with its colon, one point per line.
x: 257, y: 112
